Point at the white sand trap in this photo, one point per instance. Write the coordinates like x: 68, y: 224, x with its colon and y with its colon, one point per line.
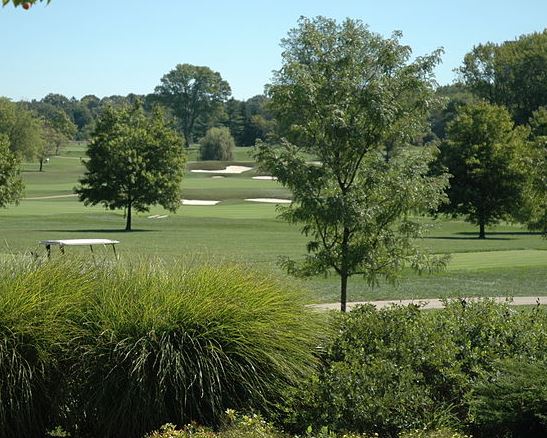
x: 229, y: 169
x: 198, y: 202
x: 270, y: 200
x: 218, y: 176
x: 163, y: 216
x: 155, y: 216
x: 266, y: 178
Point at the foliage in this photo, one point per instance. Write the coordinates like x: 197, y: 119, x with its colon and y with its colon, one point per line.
x: 402, y: 368
x: 513, y: 74
x: 339, y: 94
x: 193, y: 94
x: 482, y: 152
x: 21, y: 127
x: 536, y: 216
x: 134, y: 162
x: 511, y: 400
x: 451, y: 97
x: 21, y: 2
x: 11, y: 183
x: 115, y: 350
x: 181, y: 345
x: 38, y: 306
x: 218, y: 144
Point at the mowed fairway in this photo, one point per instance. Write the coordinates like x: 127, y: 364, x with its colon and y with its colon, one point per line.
x: 511, y: 261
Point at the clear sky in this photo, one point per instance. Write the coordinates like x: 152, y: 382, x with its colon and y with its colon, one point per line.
x: 106, y: 47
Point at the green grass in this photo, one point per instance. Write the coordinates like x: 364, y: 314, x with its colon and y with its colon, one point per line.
x: 511, y: 261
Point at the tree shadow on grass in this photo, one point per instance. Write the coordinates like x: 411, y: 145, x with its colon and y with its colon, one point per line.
x: 494, y: 235
x: 504, y: 233
x: 98, y: 230
x: 470, y: 237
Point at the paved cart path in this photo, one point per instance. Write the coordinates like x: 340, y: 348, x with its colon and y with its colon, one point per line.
x: 430, y: 303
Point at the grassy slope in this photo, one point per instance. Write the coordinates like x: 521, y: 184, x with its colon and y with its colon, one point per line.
x: 510, y: 262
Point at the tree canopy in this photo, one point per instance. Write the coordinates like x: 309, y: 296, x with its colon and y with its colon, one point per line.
x: 339, y: 92
x: 11, y: 183
x: 482, y: 152
x: 21, y: 127
x: 513, y: 74
x: 536, y: 214
x: 193, y: 94
x: 134, y: 162
x: 218, y: 144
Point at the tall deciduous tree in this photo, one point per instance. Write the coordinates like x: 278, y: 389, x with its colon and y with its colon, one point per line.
x: 482, y: 151
x: 193, y: 94
x: 537, y: 184
x: 21, y: 127
x: 340, y: 91
x: 134, y: 162
x: 11, y: 183
x: 513, y: 74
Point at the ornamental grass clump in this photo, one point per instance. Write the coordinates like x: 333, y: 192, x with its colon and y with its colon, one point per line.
x: 39, y: 308
x: 183, y: 344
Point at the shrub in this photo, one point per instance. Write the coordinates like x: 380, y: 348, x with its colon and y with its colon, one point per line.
x: 183, y: 344
x: 218, y: 144
x: 511, y: 400
x: 39, y: 306
x: 402, y: 368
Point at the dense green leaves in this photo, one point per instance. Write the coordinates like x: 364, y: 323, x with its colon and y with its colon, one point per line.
x: 536, y: 214
x: 482, y: 152
x: 339, y: 94
x: 194, y: 94
x: 403, y: 368
x: 218, y: 144
x: 11, y: 183
x: 513, y: 74
x: 134, y: 162
x: 21, y: 127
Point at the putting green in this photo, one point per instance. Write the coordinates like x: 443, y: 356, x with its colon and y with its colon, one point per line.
x: 497, y: 259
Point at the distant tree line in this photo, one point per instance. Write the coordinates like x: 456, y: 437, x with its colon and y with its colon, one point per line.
x: 490, y: 125
x: 247, y: 120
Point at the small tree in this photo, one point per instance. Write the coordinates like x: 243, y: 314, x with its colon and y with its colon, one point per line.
x: 134, y: 162
x: 218, y: 144
x: 340, y: 91
x: 11, y: 183
x: 482, y: 153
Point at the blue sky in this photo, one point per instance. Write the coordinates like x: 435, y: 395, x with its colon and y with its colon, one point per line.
x: 105, y: 47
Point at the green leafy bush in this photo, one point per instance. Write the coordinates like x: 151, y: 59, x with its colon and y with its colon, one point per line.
x: 218, y: 144
x: 511, y: 400
x: 403, y: 368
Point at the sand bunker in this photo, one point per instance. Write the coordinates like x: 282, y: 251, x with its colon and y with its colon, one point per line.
x: 229, y: 169
x: 270, y: 200
x: 218, y: 176
x: 198, y: 202
x: 266, y: 178
x: 157, y: 216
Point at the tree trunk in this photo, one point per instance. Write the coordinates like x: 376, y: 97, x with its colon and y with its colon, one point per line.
x: 343, y: 291
x: 128, y: 221
x: 344, y: 270
x: 482, y: 234
x: 41, y: 164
